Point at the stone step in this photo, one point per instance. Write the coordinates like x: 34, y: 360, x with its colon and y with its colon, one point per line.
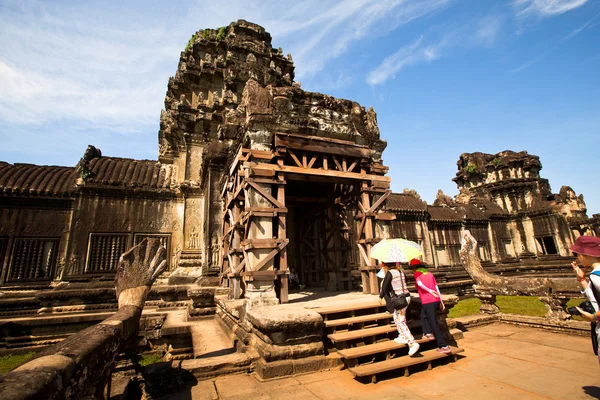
x: 371, y: 370
x: 348, y: 307
x: 361, y: 333
x: 376, y: 348
x: 362, y: 319
x: 209, y: 339
x: 368, y: 332
x: 209, y: 367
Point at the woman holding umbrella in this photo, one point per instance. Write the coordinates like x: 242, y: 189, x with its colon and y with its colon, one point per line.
x: 391, y: 252
x: 395, y: 282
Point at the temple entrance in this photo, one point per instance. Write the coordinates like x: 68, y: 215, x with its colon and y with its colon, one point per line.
x: 312, y: 251
x: 320, y: 249
x: 311, y: 205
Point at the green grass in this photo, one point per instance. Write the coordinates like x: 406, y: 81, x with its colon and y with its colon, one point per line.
x: 9, y: 362
x: 465, y: 307
x: 519, y: 305
x: 149, y: 359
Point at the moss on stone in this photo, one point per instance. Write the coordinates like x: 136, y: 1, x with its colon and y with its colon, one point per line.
x: 10, y: 361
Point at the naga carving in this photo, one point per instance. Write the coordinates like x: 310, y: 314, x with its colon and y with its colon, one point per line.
x: 511, y: 286
x: 80, y: 366
x: 554, y: 292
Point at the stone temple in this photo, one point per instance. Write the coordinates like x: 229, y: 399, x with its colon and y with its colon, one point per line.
x: 255, y: 177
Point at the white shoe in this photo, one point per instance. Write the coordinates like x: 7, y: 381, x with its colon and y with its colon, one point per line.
x: 399, y: 340
x: 413, y: 349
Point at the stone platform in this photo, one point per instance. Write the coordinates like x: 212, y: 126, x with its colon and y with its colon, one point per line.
x: 501, y: 362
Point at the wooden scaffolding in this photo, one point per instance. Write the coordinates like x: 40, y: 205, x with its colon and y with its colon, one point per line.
x: 255, y: 196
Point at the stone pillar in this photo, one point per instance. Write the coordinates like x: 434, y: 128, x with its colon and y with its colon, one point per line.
x: 556, y: 307
x: 488, y: 303
x: 237, y: 284
x: 259, y: 291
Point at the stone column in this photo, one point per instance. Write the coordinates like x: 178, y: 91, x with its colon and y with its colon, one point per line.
x: 488, y: 302
x: 555, y: 305
x: 259, y: 291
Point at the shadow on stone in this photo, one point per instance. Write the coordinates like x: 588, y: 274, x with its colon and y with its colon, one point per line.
x: 592, y: 391
x: 162, y: 381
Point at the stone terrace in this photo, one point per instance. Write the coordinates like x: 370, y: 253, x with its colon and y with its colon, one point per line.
x: 500, y: 362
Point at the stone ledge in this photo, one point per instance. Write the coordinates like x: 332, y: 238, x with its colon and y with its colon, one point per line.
x: 274, y: 369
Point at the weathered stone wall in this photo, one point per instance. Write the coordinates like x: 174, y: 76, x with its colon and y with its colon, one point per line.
x: 122, y: 215
x: 42, y: 220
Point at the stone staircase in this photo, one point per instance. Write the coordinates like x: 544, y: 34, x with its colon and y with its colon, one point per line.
x: 362, y: 334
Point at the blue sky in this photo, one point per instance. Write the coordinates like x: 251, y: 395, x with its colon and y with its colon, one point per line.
x: 444, y: 76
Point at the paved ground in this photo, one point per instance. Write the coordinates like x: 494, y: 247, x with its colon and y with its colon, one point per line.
x: 500, y: 362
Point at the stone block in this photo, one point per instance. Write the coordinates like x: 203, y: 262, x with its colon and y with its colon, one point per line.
x: 287, y: 325
x: 267, y: 370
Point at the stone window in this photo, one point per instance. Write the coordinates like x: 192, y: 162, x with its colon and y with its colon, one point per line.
x: 3, y: 246
x: 545, y: 245
x: 454, y: 250
x: 442, y: 255
x: 32, y: 259
x: 104, y: 250
x: 165, y: 240
x: 509, y: 249
x: 484, y: 253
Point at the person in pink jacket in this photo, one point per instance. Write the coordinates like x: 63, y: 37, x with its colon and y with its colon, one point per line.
x: 431, y: 300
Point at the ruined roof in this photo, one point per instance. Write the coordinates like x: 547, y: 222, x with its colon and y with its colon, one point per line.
x: 472, y: 212
x: 444, y: 214
x: 488, y: 207
x: 37, y: 180
x: 126, y: 172
x: 471, y: 164
x: 404, y: 202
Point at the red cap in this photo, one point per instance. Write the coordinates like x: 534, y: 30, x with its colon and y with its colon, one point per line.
x: 415, y: 261
x: 587, y: 245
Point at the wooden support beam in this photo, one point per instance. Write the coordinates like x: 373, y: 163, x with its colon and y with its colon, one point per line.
x: 312, y: 161
x: 320, y: 172
x: 379, y: 202
x: 385, y: 216
x: 265, y: 194
x: 261, y: 154
x: 270, y: 256
x: 322, y: 145
x: 296, y: 160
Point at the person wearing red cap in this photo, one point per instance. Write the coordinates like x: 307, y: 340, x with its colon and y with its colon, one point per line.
x: 587, y: 251
x: 431, y: 300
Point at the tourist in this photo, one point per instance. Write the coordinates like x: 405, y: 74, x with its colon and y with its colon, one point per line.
x: 431, y: 300
x: 587, y: 251
x: 293, y: 280
x: 395, y: 281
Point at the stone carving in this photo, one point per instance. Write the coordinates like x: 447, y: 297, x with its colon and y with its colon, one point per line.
x: 442, y: 200
x: 551, y: 291
x: 80, y: 366
x: 83, y: 169
x: 256, y: 99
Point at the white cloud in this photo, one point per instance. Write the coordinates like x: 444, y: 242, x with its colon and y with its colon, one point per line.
x: 429, y: 47
x: 108, y: 64
x: 488, y: 29
x: 407, y: 55
x: 546, y: 8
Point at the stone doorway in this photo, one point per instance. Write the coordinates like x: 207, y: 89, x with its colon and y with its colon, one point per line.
x: 321, y: 238
x: 312, y: 249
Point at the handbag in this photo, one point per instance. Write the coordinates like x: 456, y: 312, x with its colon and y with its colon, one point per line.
x: 398, y: 302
